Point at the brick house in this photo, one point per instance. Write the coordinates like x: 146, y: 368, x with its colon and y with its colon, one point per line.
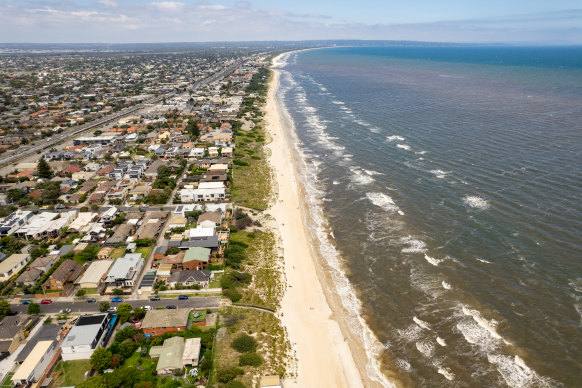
x: 64, y: 276
x: 158, y: 322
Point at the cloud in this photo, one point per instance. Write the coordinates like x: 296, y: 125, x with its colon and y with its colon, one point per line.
x: 108, y: 3
x: 168, y: 5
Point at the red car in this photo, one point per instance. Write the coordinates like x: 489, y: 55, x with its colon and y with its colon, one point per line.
x: 46, y: 301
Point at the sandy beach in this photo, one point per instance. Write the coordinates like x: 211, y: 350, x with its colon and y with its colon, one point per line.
x: 323, y: 354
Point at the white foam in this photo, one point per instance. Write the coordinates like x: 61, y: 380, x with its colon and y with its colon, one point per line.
x: 483, y: 260
x: 338, y: 102
x: 516, y: 373
x: 383, y: 201
x: 359, y: 177
x: 432, y: 260
x: 403, y: 364
x: 335, y: 182
x: 421, y: 323
x: 414, y: 245
x: 439, y: 173
x: 425, y: 347
x: 395, y: 138
x: 476, y: 202
x: 403, y: 146
x: 489, y: 325
x: 372, y: 172
x: 446, y: 285
x: 441, y: 341
x: 447, y: 373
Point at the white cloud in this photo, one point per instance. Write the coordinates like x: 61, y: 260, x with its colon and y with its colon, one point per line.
x: 168, y: 5
x: 108, y: 3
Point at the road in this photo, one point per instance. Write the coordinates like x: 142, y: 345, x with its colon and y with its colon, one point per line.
x: 211, y: 302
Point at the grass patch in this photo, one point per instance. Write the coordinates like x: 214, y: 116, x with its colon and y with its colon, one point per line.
x: 117, y: 253
x: 7, y: 383
x: 252, y: 174
x: 200, y: 318
x: 90, y: 291
x: 72, y: 372
x: 145, y: 251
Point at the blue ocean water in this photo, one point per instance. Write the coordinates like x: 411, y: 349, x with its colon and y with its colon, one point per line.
x: 444, y: 190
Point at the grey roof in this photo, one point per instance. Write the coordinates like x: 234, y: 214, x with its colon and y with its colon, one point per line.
x: 202, y: 242
x: 147, y: 281
x: 122, y: 266
x: 190, y: 275
x: 45, y: 333
x: 84, y: 334
x: 65, y: 249
x: 162, y: 249
x: 10, y: 326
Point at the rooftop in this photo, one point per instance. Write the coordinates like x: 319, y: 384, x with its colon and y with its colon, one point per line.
x: 165, y: 318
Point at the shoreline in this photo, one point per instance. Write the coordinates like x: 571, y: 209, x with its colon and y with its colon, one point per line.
x: 310, y: 313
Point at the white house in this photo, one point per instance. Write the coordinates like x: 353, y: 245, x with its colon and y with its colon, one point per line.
x: 35, y: 364
x: 94, y: 273
x: 206, y: 191
x: 124, y: 271
x: 89, y: 333
x: 12, y: 265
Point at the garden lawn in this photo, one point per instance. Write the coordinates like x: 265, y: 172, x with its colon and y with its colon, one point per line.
x: 73, y: 372
x: 145, y: 251
x: 6, y: 383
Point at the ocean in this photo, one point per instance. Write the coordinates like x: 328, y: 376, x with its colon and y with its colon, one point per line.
x: 443, y: 191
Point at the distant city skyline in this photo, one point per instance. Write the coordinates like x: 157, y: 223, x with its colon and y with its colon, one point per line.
x: 130, y: 21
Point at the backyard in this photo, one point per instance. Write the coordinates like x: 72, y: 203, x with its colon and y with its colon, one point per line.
x: 70, y: 373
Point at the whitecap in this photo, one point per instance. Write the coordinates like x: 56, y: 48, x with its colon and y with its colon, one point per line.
x: 489, y: 325
x: 432, y: 260
x: 403, y: 146
x: 335, y: 182
x: 483, y: 261
x: 476, y: 202
x: 439, y: 173
x: 441, y: 341
x: 383, y: 201
x: 359, y: 177
x: 425, y: 347
x: 414, y: 245
x: 421, y: 323
x: 395, y: 138
x: 403, y: 364
x: 447, y: 373
x: 372, y: 172
x: 446, y: 285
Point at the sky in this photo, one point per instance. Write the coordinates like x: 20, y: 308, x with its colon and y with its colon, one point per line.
x: 132, y: 21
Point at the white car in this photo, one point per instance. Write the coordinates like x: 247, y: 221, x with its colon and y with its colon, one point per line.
x: 147, y: 308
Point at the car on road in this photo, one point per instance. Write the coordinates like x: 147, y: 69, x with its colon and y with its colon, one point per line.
x: 112, y: 309
x: 171, y: 307
x: 26, y: 301
x: 91, y: 300
x: 147, y: 308
x: 183, y: 297
x: 154, y: 298
x: 117, y: 300
x: 46, y: 301
x: 65, y: 311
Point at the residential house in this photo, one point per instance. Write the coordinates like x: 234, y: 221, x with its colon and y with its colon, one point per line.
x: 12, y: 265
x: 191, y: 353
x: 95, y: 274
x: 210, y: 220
x: 64, y: 276
x: 158, y: 322
x: 196, y: 258
x: 35, y: 364
x: 90, y: 332
x: 123, y: 273
x: 190, y: 278
x: 169, y: 355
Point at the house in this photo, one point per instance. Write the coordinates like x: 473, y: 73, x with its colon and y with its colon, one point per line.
x: 35, y: 364
x: 196, y: 153
x: 191, y: 353
x: 12, y: 333
x: 160, y: 252
x: 210, y: 219
x: 46, y: 332
x: 152, y: 170
x: 227, y: 152
x: 109, y: 215
x: 14, y: 221
x: 29, y: 277
x: 190, y: 278
x: 104, y: 253
x: 12, y: 265
x: 89, y: 333
x: 169, y: 355
x: 178, y: 222
x: 206, y: 191
x: 212, y: 152
x: 196, y: 258
x: 158, y: 322
x: 82, y: 220
x: 124, y: 271
x: 200, y: 231
x: 95, y: 273
x: 64, y: 276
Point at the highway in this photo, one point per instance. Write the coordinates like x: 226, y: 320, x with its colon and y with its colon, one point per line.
x: 210, y: 302
x: 27, y: 150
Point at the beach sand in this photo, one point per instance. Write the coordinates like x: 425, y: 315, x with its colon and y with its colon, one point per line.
x: 324, y: 357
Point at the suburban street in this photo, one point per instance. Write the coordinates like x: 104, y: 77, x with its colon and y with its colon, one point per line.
x: 211, y: 302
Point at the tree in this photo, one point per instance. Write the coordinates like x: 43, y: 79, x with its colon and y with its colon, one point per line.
x: 124, y: 312
x: 139, y: 313
x: 43, y: 169
x: 117, y: 291
x: 81, y: 292
x: 104, y: 306
x: 227, y: 374
x: 101, y: 359
x: 15, y: 195
x: 33, y: 309
x: 4, y: 308
x: 244, y: 343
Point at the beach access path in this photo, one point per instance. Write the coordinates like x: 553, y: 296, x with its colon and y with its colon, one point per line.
x: 323, y: 355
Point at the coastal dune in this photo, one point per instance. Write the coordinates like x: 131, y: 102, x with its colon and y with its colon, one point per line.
x: 324, y: 358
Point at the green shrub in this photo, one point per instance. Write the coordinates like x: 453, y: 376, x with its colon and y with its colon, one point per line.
x: 227, y: 374
x: 244, y: 343
x: 234, y: 384
x: 252, y: 359
x: 232, y: 294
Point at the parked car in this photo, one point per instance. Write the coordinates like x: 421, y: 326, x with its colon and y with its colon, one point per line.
x: 112, y: 309
x: 171, y: 307
x: 65, y: 311
x: 26, y: 301
x: 154, y: 298
x: 46, y: 301
x: 183, y: 297
x: 147, y: 308
x: 117, y: 300
x: 91, y: 300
